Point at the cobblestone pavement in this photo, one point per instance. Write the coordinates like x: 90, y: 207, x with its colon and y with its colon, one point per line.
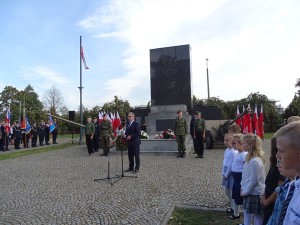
x: 58, y: 187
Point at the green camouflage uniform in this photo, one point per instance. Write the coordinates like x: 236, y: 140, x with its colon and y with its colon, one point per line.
x: 105, y: 133
x: 180, y: 132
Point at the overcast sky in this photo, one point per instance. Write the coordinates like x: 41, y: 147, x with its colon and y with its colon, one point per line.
x: 252, y: 46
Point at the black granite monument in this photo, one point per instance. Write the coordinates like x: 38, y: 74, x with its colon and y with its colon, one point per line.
x: 170, y: 69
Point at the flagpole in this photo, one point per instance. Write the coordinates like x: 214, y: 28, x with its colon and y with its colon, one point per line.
x: 208, y: 94
x: 80, y: 90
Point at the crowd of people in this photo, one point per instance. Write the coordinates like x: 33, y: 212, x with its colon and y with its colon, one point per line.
x: 271, y: 199
x: 38, y: 134
x: 102, y: 132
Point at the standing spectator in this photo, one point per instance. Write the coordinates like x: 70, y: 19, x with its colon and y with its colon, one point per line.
x: 96, y: 134
x: 41, y: 132
x: 227, y: 181
x: 237, y: 169
x: 105, y: 133
x: 34, y: 133
x: 180, y: 132
x: 17, y: 135
x: 192, y: 130
x: 47, y: 132
x: 199, y: 135
x: 133, y: 132
x: 288, y: 144
x: 273, y: 180
x: 89, y: 133
x: 253, y: 180
x: 282, y: 191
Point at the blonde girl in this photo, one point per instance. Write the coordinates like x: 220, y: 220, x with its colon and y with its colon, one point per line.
x: 253, y: 179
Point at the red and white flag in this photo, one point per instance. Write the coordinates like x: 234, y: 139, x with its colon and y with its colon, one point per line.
x: 255, y: 121
x: 83, y: 58
x: 7, y: 121
x: 100, y: 117
x: 261, y: 122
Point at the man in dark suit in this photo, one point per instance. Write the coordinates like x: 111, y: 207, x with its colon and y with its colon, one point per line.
x: 133, y: 132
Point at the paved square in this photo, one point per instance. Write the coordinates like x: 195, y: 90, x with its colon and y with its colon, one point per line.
x: 58, y: 187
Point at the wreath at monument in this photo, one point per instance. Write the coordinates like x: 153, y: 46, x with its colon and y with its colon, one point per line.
x: 169, y: 134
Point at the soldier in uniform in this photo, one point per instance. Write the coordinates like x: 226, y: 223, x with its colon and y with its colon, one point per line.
x: 96, y: 135
x: 105, y: 133
x: 2, y: 136
x: 89, y: 135
x: 180, y: 132
x: 199, y: 135
x: 41, y: 132
x: 17, y: 135
x: 34, y: 133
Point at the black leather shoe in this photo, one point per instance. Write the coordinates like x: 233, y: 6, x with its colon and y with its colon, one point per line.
x: 128, y: 170
x: 233, y: 217
x: 136, y: 171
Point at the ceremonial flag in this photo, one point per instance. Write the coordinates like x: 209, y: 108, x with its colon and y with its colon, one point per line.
x: 83, y: 58
x: 238, y: 121
x: 51, y: 124
x: 7, y: 120
x: 23, y: 122
x: 261, y: 122
x: 255, y: 121
x: 100, y: 117
x: 244, y: 122
x: 28, y: 127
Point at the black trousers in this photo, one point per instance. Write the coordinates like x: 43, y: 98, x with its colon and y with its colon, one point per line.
x: 47, y: 137
x: 96, y: 143
x: 199, y: 143
x: 89, y: 144
x: 54, y: 136
x: 41, y: 138
x: 17, y: 143
x: 134, y: 154
x: 33, y: 140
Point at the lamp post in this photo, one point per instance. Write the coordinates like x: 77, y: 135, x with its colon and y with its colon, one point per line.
x: 208, y: 95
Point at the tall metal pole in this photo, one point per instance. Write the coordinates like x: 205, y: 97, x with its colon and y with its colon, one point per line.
x: 80, y: 90
x: 208, y: 95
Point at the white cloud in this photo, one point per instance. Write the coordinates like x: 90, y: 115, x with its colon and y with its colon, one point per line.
x: 245, y: 44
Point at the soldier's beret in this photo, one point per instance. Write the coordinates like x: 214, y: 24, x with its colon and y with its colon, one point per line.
x: 179, y: 111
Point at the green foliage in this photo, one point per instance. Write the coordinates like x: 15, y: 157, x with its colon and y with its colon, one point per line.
x: 294, y: 107
x: 117, y: 105
x: 182, y: 216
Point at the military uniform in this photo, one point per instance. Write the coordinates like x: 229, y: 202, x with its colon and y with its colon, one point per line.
x: 54, y: 133
x: 105, y: 133
x: 89, y: 133
x: 199, y: 129
x: 180, y: 132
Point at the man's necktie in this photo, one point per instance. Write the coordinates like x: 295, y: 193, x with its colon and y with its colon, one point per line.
x: 286, y: 203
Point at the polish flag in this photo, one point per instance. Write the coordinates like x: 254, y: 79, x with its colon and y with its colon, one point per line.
x: 255, y: 121
x: 261, y: 122
x: 83, y: 58
x: 238, y: 121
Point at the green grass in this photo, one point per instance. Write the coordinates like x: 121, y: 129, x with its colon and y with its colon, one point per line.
x: 268, y: 135
x: 183, y: 216
x: 69, y: 136
x: 30, y: 151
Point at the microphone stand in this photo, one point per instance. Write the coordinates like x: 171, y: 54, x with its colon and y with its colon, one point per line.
x: 122, y: 175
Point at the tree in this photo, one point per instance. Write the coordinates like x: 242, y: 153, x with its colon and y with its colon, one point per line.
x: 117, y: 105
x: 53, y: 101
x: 8, y: 97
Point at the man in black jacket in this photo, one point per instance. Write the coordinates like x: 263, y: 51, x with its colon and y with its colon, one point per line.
x: 133, y: 132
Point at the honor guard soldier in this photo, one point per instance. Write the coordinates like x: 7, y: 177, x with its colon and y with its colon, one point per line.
x: 96, y: 135
x: 41, y: 132
x: 180, y: 132
x: 105, y: 133
x: 34, y: 134
x: 17, y: 135
x: 199, y: 135
x: 192, y: 129
x: 4, y: 134
x: 47, y: 132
